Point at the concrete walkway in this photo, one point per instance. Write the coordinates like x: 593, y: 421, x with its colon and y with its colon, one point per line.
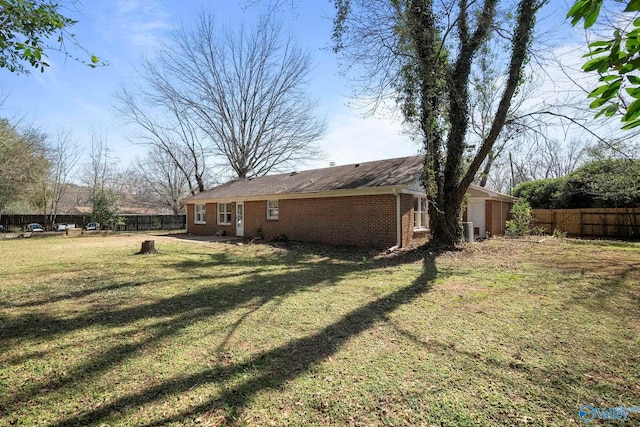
x: 202, y: 239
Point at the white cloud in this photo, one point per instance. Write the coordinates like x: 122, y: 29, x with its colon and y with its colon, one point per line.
x: 141, y: 26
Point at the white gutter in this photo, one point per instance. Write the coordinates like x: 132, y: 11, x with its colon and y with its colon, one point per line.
x: 398, y: 224
x: 366, y: 191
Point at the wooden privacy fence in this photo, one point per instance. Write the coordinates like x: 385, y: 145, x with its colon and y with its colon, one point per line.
x: 592, y: 222
x: 131, y: 222
x: 153, y: 222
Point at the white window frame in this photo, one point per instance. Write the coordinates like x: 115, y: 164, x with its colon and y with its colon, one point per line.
x: 421, y: 215
x: 271, y: 208
x: 200, y: 214
x: 225, y: 212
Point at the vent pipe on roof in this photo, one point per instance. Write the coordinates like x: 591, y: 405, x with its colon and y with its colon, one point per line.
x: 332, y: 164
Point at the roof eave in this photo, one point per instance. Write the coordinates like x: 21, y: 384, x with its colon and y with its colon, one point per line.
x: 367, y: 191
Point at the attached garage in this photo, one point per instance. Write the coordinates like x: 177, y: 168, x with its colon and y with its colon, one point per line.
x: 488, y: 211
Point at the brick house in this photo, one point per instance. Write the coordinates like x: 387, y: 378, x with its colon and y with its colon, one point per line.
x: 374, y: 204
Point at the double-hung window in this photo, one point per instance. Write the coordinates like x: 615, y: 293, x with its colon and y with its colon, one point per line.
x: 420, y: 216
x: 200, y: 214
x: 224, y: 213
x: 272, y: 209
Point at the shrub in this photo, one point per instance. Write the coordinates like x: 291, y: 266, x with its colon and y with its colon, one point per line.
x: 280, y: 238
x: 521, y: 217
x: 538, y: 231
x: 559, y: 233
x: 105, y: 209
x: 603, y: 183
x: 543, y: 193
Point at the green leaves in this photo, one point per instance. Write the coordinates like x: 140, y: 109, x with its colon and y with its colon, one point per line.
x: 27, y: 25
x: 602, y: 183
x: 632, y: 116
x: 617, y: 60
x: 600, y: 64
x: 633, y: 6
x: 585, y: 9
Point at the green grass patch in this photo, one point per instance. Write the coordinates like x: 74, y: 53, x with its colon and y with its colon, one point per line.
x: 504, y: 332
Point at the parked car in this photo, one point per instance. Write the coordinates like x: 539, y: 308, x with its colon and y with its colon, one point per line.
x: 64, y: 227
x: 1, y: 228
x: 92, y: 226
x: 34, y: 227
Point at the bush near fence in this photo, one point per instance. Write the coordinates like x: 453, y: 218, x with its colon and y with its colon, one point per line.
x: 590, y: 222
x: 131, y: 222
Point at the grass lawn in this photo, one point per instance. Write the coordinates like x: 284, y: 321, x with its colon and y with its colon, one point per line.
x: 501, y: 333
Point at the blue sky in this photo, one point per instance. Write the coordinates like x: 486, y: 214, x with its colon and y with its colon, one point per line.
x: 122, y: 32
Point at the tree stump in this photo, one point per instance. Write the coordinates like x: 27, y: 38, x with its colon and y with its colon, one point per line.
x: 148, y: 247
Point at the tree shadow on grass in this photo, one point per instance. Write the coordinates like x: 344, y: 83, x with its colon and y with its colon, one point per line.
x: 269, y: 369
x: 602, y: 280
x: 173, y: 314
x: 77, y: 294
x: 225, y: 294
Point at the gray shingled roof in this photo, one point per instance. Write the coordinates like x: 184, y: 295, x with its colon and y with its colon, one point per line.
x: 381, y: 173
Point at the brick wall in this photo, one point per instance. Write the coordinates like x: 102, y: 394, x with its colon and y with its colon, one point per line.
x: 366, y: 221
x: 211, y: 227
x: 406, y: 210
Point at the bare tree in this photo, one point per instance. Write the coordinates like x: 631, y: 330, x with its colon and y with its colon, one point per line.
x: 102, y: 175
x: 486, y: 86
x: 160, y: 182
x: 245, y: 89
x: 99, y: 172
x: 423, y: 52
x: 547, y: 158
x: 171, y: 130
x: 63, y: 156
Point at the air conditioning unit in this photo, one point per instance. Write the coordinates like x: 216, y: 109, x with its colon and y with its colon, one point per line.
x: 467, y: 230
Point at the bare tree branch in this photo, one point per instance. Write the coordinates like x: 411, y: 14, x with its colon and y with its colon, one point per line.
x: 244, y: 90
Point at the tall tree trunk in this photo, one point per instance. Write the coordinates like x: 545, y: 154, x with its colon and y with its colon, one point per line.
x: 447, y: 230
x: 200, y: 182
x: 487, y: 169
x: 433, y: 86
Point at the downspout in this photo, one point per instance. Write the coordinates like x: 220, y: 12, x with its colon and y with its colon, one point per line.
x: 398, y: 223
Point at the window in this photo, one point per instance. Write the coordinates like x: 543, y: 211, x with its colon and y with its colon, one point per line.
x: 420, y: 216
x: 272, y: 209
x: 200, y: 215
x: 224, y: 213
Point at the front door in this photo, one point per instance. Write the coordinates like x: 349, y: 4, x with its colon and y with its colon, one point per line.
x: 240, y: 219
